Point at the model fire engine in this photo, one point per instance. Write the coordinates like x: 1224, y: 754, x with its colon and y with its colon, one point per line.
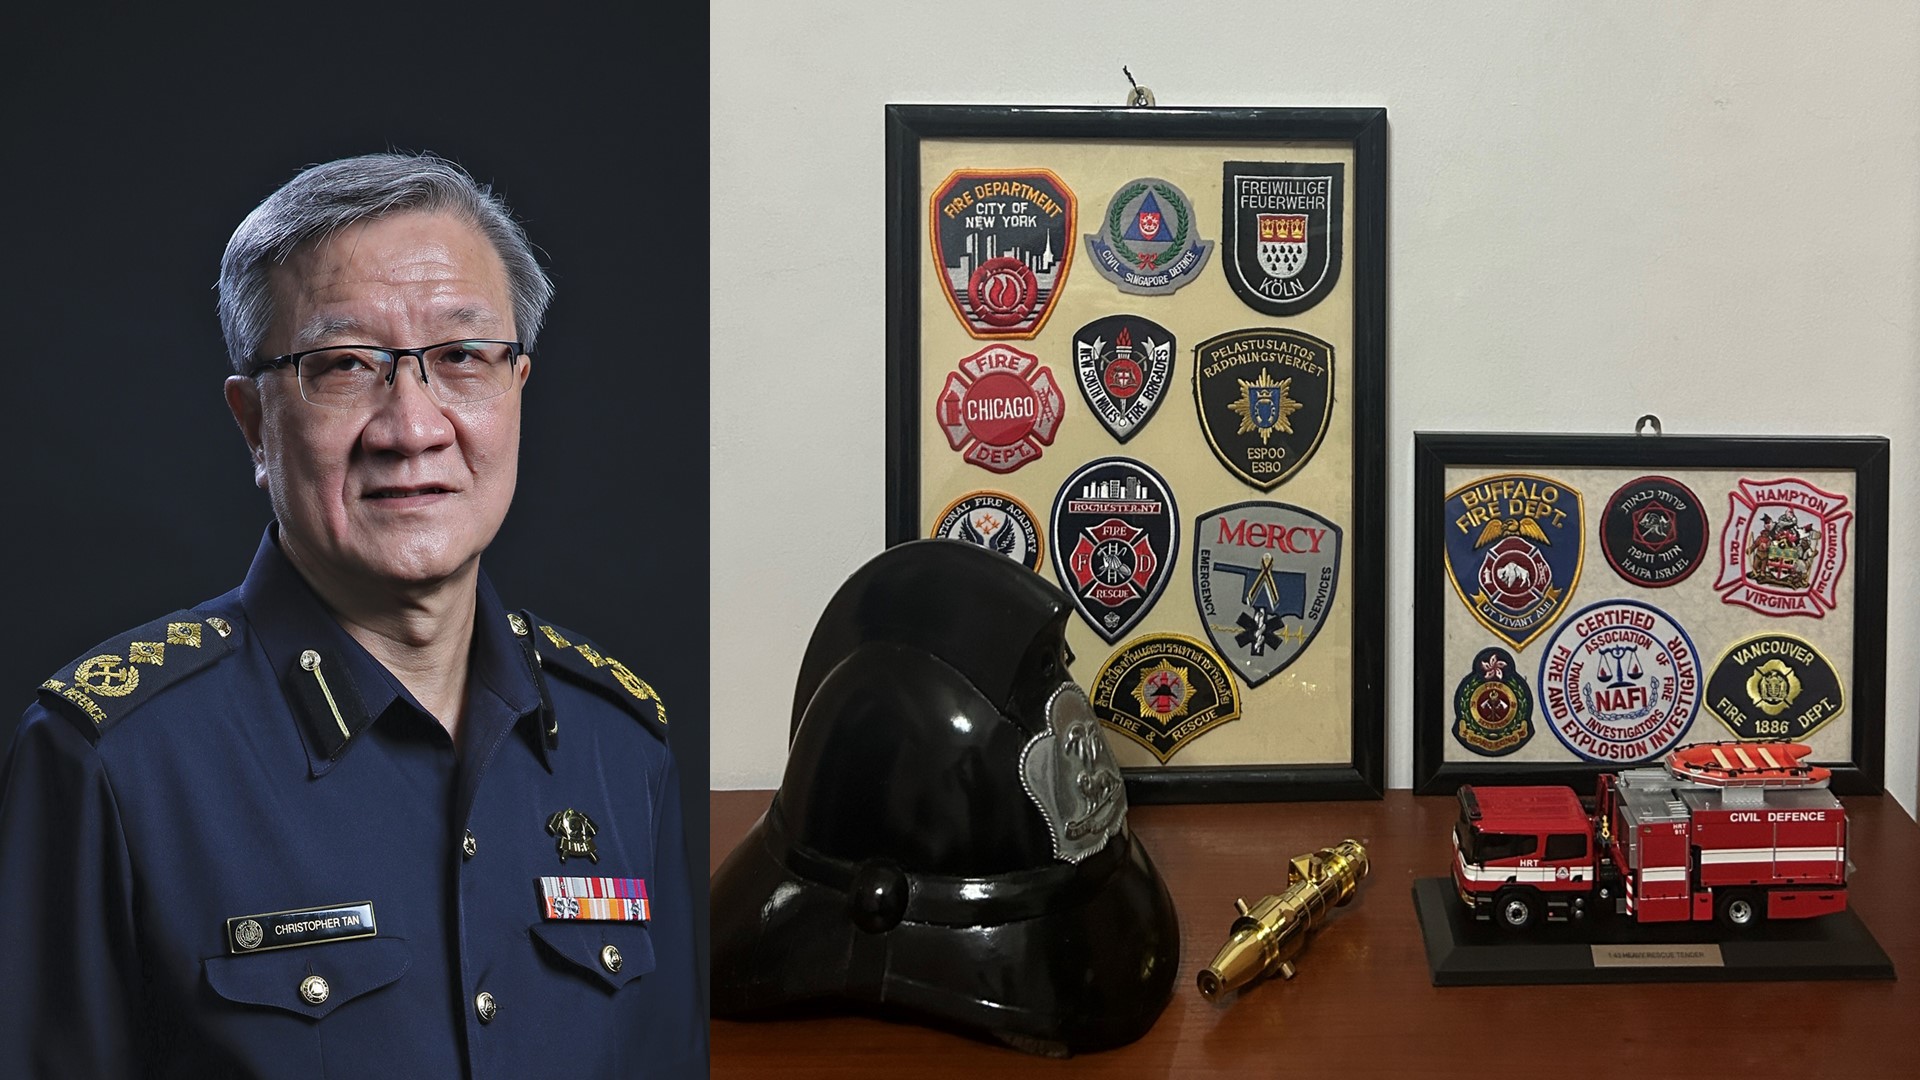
x: 1731, y: 831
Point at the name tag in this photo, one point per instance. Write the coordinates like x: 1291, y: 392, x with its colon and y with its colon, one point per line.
x: 605, y: 899
x: 305, y: 926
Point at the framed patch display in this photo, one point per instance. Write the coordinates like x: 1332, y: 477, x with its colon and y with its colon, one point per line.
x: 1587, y: 603
x: 1142, y: 350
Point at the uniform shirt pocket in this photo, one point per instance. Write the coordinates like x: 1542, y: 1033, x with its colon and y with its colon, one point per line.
x: 282, y: 979
x: 615, y: 953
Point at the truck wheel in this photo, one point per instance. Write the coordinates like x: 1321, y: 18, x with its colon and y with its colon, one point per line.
x: 1739, y: 909
x: 1517, y: 909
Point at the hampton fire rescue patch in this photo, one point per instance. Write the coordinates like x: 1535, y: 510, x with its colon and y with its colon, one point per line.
x: 1149, y: 243
x: 1264, y: 577
x: 1282, y: 232
x: 1515, y: 545
x: 999, y: 408
x: 1492, y: 706
x: 1619, y: 682
x: 1783, y: 548
x: 1123, y: 364
x: 1002, y: 243
x: 1264, y: 395
x: 1163, y: 691
x: 1115, y: 533
x: 996, y: 521
x: 1775, y: 686
x: 1654, y: 532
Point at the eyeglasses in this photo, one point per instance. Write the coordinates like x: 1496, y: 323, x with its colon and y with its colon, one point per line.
x: 350, y: 376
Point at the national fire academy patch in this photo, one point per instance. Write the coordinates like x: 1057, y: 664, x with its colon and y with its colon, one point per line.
x: 1264, y: 396
x: 1123, y: 364
x: 1282, y: 231
x: 1619, y: 682
x: 117, y: 675
x: 1492, y: 706
x: 996, y: 521
x: 1149, y: 243
x: 1115, y: 533
x: 1163, y: 691
x: 1264, y: 577
x: 1783, y: 548
x: 1515, y: 546
x: 1775, y: 686
x: 1655, y: 531
x: 1002, y: 242
x: 999, y: 408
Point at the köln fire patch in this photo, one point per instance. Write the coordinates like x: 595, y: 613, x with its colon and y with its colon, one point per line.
x: 1123, y: 364
x: 1264, y: 395
x: 1515, y: 546
x: 1493, y: 706
x: 1282, y: 231
x: 1115, y: 533
x: 1163, y: 691
x: 996, y: 521
x: 1619, y: 682
x: 1264, y: 577
x: 1783, y: 548
x: 1655, y: 531
x: 1002, y: 243
x: 999, y: 407
x: 1775, y: 686
x: 1149, y: 243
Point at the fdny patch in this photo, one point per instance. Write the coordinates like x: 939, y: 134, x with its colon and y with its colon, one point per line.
x: 1002, y: 243
x: 996, y: 521
x: 1115, y: 533
x: 1655, y: 531
x: 1619, y: 682
x: 1775, y: 686
x: 1123, y: 364
x: 1492, y: 706
x: 999, y: 408
x: 1163, y: 691
x: 1282, y: 231
x: 1149, y: 244
x: 1783, y: 548
x: 1515, y: 545
x: 1264, y: 576
x: 1264, y: 395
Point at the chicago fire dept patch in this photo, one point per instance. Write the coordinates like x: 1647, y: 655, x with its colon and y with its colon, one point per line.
x: 1619, y: 682
x: 1002, y: 243
x: 1492, y: 706
x: 1264, y: 577
x: 1115, y: 533
x: 1282, y: 231
x: 1783, y: 548
x: 1515, y: 546
x: 1149, y: 243
x: 1655, y: 531
x: 996, y: 521
x: 1264, y: 395
x: 1163, y: 691
x: 1775, y: 686
x: 999, y: 407
x: 1123, y: 364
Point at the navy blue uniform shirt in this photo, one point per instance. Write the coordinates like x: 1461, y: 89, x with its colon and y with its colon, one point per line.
x: 233, y: 844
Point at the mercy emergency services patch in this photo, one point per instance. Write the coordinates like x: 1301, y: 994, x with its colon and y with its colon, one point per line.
x: 1115, y: 533
x: 1492, y: 706
x: 996, y: 521
x: 1619, y: 682
x: 1264, y: 395
x: 1264, y: 575
x: 1515, y: 545
x: 999, y: 408
x: 1123, y: 364
x: 1163, y: 691
x: 1783, y: 548
x: 1149, y: 243
x: 1774, y: 686
x: 1655, y: 531
x: 1002, y: 242
x: 1282, y: 231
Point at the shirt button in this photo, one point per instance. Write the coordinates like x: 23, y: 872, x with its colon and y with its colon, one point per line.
x: 469, y: 846
x: 610, y: 958
x: 484, y: 1005
x: 314, y: 989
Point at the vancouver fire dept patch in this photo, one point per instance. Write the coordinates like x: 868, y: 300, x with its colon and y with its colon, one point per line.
x: 1775, y: 686
x: 1149, y: 243
x: 1115, y: 533
x: 999, y: 407
x: 1002, y: 243
x: 1655, y: 531
x: 996, y: 521
x: 1264, y: 395
x: 1619, y: 682
x: 1282, y: 231
x: 1123, y: 364
x: 1264, y: 577
x: 1492, y: 706
x: 1783, y: 548
x: 1515, y: 546
x: 1163, y: 691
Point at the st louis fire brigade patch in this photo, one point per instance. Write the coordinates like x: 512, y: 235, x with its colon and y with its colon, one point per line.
x: 999, y: 408
x: 1115, y: 533
x: 1163, y: 691
x: 1282, y: 231
x: 996, y: 521
x: 1492, y: 706
x: 1002, y: 242
x: 1655, y: 531
x: 1619, y: 682
x: 1149, y: 243
x: 1775, y: 686
x: 1123, y: 364
x: 1264, y: 395
x: 1515, y: 546
x: 1783, y: 548
x: 1264, y: 577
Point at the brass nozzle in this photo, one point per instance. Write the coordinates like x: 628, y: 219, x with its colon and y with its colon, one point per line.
x: 1266, y: 937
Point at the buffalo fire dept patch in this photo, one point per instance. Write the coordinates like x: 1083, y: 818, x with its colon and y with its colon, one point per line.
x: 1264, y: 395
x: 1115, y: 533
x: 1123, y: 364
x: 1264, y: 576
x: 1492, y: 706
x: 1002, y: 243
x: 1655, y: 531
x: 1783, y: 548
x: 996, y: 521
x: 1515, y: 545
x: 1163, y: 691
x: 1282, y: 231
x: 999, y: 408
x: 1619, y: 682
x: 1149, y: 243
x: 1775, y: 686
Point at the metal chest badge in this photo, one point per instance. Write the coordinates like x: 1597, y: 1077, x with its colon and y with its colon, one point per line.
x: 1149, y: 243
x: 1163, y: 691
x: 996, y: 521
x: 573, y: 832
x: 1655, y: 531
x: 1264, y: 577
x: 1492, y: 706
x: 1775, y: 686
x: 1282, y: 231
x: 1115, y: 533
x: 1069, y: 773
x: 1515, y: 546
x: 1783, y: 548
x: 1123, y: 364
x: 999, y: 407
x: 1002, y: 243
x: 1264, y: 396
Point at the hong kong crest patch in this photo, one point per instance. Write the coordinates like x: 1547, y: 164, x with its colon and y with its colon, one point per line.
x: 1123, y: 364
x: 1783, y: 548
x: 1619, y: 682
x: 1264, y: 395
x: 1149, y: 243
x: 999, y: 408
x: 1282, y: 231
x: 1492, y: 706
x: 1163, y: 691
x: 1774, y: 686
x: 1002, y: 243
x: 1515, y: 544
x: 996, y: 521
x: 1264, y: 577
x: 1655, y: 531
x: 1115, y: 533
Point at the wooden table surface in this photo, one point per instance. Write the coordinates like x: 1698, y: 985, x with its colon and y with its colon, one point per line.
x: 1363, y: 1004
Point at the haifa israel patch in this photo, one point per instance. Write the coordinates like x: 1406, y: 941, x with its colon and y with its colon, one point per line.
x: 1003, y: 241
x: 1775, y: 686
x: 999, y: 408
x: 1163, y: 691
x: 1264, y: 396
x: 1123, y: 364
x: 1283, y: 232
x: 1115, y: 533
x: 1264, y: 578
x: 1493, y: 706
x: 1515, y: 545
x: 996, y: 521
x: 1783, y: 548
x: 1149, y: 243
x: 1655, y: 531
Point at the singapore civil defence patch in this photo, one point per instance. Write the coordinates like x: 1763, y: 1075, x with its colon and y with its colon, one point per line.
x: 999, y: 408
x: 1002, y: 244
x: 1264, y: 577
x: 1163, y: 691
x: 1775, y: 686
x: 1783, y: 548
x: 1515, y: 545
x: 996, y: 521
x: 1115, y: 533
x: 1654, y: 532
x: 1149, y: 243
x: 1264, y: 395
x: 1282, y: 232
x: 1493, y: 706
x: 1619, y: 682
x: 1123, y: 364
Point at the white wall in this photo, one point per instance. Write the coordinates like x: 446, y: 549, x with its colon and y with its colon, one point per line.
x: 1597, y: 209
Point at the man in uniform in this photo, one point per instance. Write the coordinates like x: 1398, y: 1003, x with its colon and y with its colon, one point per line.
x: 356, y: 817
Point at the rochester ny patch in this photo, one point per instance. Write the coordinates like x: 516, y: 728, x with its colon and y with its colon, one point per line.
x: 1149, y: 243
x: 1264, y: 577
x: 999, y: 407
x: 1775, y: 686
x: 1115, y: 533
x: 1515, y: 546
x: 1655, y: 531
x: 1492, y: 706
x: 1282, y: 232
x: 1002, y: 242
x: 1783, y: 548
x: 1619, y: 682
x: 1163, y: 691
x: 1264, y: 395
x: 996, y: 521
x: 119, y: 674
x: 1123, y: 364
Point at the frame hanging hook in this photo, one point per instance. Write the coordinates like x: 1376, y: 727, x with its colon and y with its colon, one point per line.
x: 1139, y: 95
x: 1641, y: 425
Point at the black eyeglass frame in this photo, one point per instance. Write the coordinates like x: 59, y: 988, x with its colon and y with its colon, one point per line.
x: 393, y: 369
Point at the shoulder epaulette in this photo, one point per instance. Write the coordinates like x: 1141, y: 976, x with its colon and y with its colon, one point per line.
x: 564, y: 652
x: 114, y: 677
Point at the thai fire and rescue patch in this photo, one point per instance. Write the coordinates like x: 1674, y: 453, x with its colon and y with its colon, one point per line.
x: 1264, y: 578
x: 1002, y: 243
x: 996, y: 521
x: 1115, y: 533
x: 1655, y: 531
x: 1493, y: 706
x: 1515, y: 546
x: 1123, y: 364
x: 1264, y: 395
x: 999, y: 408
x: 1775, y: 686
x: 1783, y: 548
x: 1282, y: 231
x: 1149, y: 243
x: 1163, y: 691
x: 1619, y: 682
